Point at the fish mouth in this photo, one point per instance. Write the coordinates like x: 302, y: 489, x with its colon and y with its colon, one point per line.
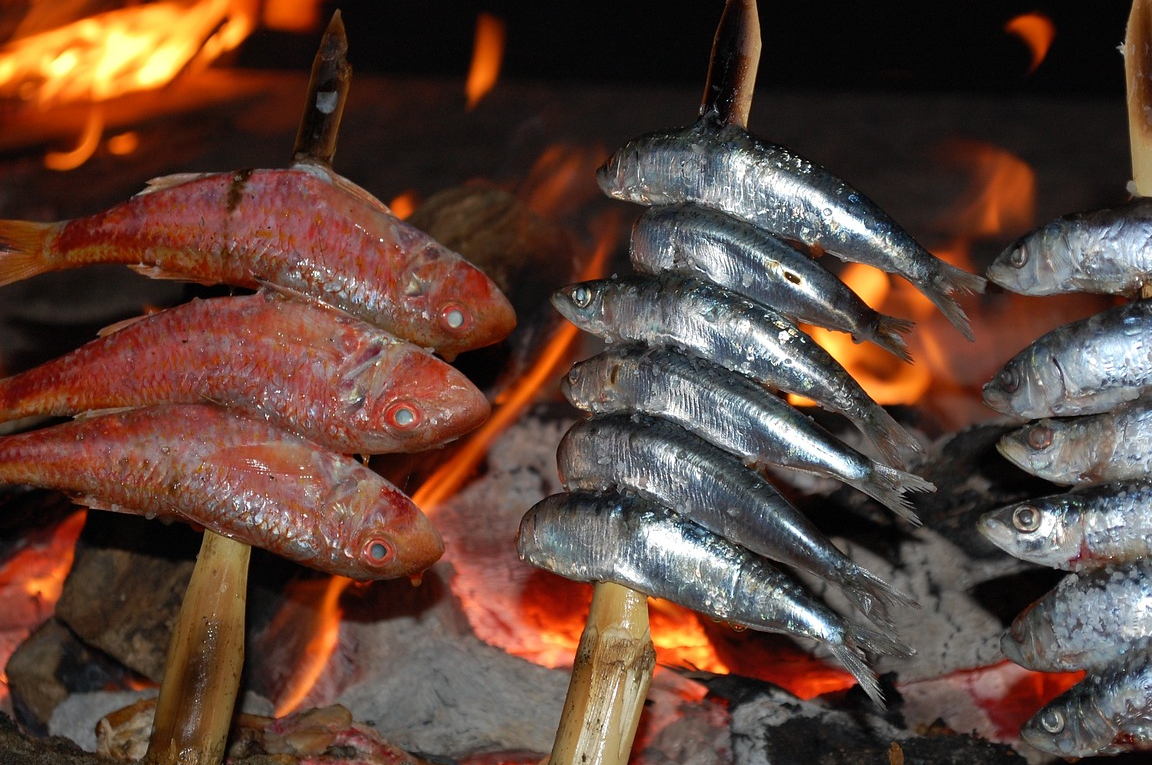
x: 996, y: 531
x: 1017, y: 452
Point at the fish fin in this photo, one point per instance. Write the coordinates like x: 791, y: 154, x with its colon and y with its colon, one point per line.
x: 949, y: 280
x: 115, y: 327
x: 165, y: 182
x: 852, y: 660
x: 326, y: 173
x: 850, y: 653
x: 888, y: 331
x: 157, y: 272
x: 267, y: 459
x: 22, y: 249
x: 90, y: 413
x: 873, y: 596
x: 890, y: 438
x: 887, y: 484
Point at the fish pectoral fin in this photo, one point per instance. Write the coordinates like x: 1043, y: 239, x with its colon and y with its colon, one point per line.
x: 156, y: 272
x: 165, y: 182
x: 101, y: 412
x: 117, y: 326
x: 290, y: 460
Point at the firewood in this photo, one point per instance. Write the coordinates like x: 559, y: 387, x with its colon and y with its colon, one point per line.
x: 1138, y: 71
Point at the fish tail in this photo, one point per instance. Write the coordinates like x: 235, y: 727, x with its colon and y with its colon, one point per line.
x: 22, y: 250
x: 887, y: 485
x: 893, y: 441
x: 888, y: 331
x: 947, y: 281
x: 852, y: 659
x: 873, y: 596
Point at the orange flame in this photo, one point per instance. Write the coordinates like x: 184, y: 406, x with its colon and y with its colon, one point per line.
x: 487, y: 56
x: 291, y: 15
x: 403, y: 205
x: 325, y: 636
x: 1002, y: 191
x: 1037, y: 31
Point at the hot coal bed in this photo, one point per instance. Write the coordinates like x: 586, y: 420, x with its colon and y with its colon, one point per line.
x: 425, y: 665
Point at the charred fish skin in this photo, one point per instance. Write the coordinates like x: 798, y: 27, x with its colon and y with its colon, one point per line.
x: 715, y: 247
x: 733, y: 413
x: 1109, y: 712
x: 1085, y: 367
x: 237, y: 476
x: 1107, y: 251
x: 1088, y: 621
x: 739, y: 334
x: 665, y: 464
x: 1088, y: 450
x: 1091, y: 528
x: 638, y: 544
x: 337, y: 380
x: 725, y: 168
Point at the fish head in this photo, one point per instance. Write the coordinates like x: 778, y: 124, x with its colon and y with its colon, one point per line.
x: 1036, y: 263
x: 1025, y: 387
x: 1051, y: 450
x: 465, y: 308
x: 1071, y: 726
x: 591, y: 384
x: 390, y: 537
x: 1036, y: 531
x: 404, y: 399
x: 586, y: 304
x: 638, y: 172
x: 1031, y: 638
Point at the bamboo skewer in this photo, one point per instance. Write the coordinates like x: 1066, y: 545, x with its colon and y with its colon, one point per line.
x: 206, y: 654
x: 1138, y: 76
x: 613, y: 667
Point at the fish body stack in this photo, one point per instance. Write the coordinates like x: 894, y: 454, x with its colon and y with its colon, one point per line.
x: 1087, y: 389
x: 241, y: 414
x: 668, y: 492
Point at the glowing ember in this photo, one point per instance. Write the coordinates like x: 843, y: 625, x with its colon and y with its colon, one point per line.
x: 403, y: 205
x: 487, y: 55
x: 1037, y: 31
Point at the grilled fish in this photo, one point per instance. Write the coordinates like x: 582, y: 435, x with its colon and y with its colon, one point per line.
x: 1102, y: 252
x: 305, y: 230
x: 1088, y: 621
x: 712, y: 246
x: 731, y: 412
x: 664, y: 463
x: 1077, y: 530
x: 1107, y: 713
x: 1086, y: 450
x: 239, y: 477
x: 734, y: 332
x: 638, y: 544
x: 1086, y: 367
x: 725, y: 168
x: 302, y: 366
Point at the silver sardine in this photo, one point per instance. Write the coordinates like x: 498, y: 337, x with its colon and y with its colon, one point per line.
x: 1089, y: 620
x: 638, y: 544
x: 666, y: 464
x: 1077, y: 530
x: 731, y: 412
x: 1101, y: 252
x: 715, y: 247
x: 1087, y: 450
x: 1085, y: 367
x: 734, y: 332
x: 725, y: 168
x: 1107, y: 713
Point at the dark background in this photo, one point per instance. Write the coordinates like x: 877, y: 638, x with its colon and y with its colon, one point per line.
x: 893, y: 46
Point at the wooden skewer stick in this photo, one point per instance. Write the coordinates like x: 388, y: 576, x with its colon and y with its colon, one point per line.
x: 615, y: 659
x: 206, y: 654
x: 1138, y: 75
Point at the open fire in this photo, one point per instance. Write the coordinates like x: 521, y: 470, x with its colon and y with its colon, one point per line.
x: 541, y: 621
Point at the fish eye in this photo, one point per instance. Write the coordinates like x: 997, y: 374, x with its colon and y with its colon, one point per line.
x: 1040, y: 437
x: 1052, y: 720
x: 1019, y: 257
x: 1008, y: 380
x: 379, y: 552
x: 1026, y: 518
x: 402, y: 415
x: 454, y: 317
x: 581, y: 296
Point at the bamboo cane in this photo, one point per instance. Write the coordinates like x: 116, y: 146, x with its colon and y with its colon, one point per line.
x: 206, y: 654
x: 614, y: 662
x: 1138, y: 76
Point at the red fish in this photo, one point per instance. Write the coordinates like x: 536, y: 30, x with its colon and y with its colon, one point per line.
x: 239, y: 477
x: 330, y: 377
x: 304, y: 229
